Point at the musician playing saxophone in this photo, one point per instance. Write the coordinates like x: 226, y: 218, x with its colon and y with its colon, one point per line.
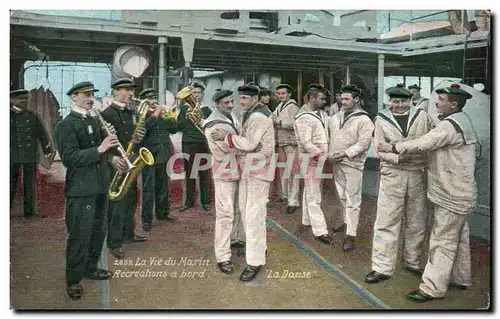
x: 194, y: 142
x: 84, y: 152
x: 121, y: 221
x: 155, y: 178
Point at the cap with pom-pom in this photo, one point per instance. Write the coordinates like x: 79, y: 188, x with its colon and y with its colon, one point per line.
x: 399, y: 91
x: 351, y: 88
x: 284, y: 86
x: 221, y: 93
x: 454, y: 89
x: 318, y: 87
x: 414, y: 86
x: 249, y: 89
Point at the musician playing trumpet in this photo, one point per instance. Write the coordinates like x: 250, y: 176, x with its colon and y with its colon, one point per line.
x: 84, y: 151
x: 155, y: 178
x: 121, y: 227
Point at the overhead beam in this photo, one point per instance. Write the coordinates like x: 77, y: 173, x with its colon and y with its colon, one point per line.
x: 90, y: 47
x: 297, y: 65
x: 79, y: 36
x: 304, y: 52
x: 442, y: 49
x: 65, y: 57
x: 280, y: 60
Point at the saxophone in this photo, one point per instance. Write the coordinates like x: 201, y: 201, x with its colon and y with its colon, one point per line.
x: 110, y: 130
x: 193, y: 113
x: 121, y: 181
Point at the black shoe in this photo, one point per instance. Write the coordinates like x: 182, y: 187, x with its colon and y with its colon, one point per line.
x: 249, y: 273
x: 349, y: 243
x: 325, y: 239
x: 185, y: 208
x: 99, y: 274
x: 376, y: 277
x: 291, y: 209
x: 117, y: 253
x: 147, y: 226
x: 420, y: 296
x: 75, y: 291
x: 34, y: 217
x: 414, y: 271
x: 135, y: 239
x: 168, y: 218
x: 206, y: 207
x: 226, y: 267
x: 340, y: 229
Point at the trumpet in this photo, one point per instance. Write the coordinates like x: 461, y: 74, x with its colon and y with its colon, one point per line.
x: 164, y: 114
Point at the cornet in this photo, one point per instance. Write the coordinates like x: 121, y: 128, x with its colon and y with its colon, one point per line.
x: 164, y: 114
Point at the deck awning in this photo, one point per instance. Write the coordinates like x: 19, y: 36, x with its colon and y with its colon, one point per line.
x: 75, y: 39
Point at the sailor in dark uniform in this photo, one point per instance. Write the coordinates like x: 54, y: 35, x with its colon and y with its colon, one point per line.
x: 198, y: 94
x: 121, y: 228
x: 26, y: 130
x: 85, y: 152
x: 193, y: 142
x: 155, y: 179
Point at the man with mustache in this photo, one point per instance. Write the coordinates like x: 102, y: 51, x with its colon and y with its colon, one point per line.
x: 85, y: 153
x: 283, y: 118
x: 402, y: 190
x: 229, y: 232
x: 350, y: 137
x: 155, y: 178
x: 255, y: 154
x: 312, y: 138
x: 194, y: 142
x: 121, y: 228
x: 452, y: 190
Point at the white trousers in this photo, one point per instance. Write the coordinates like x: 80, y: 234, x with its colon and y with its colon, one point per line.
x: 228, y: 224
x: 289, y: 182
x: 401, y: 193
x: 311, y: 203
x: 253, y: 198
x: 348, y: 182
x: 449, y: 253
